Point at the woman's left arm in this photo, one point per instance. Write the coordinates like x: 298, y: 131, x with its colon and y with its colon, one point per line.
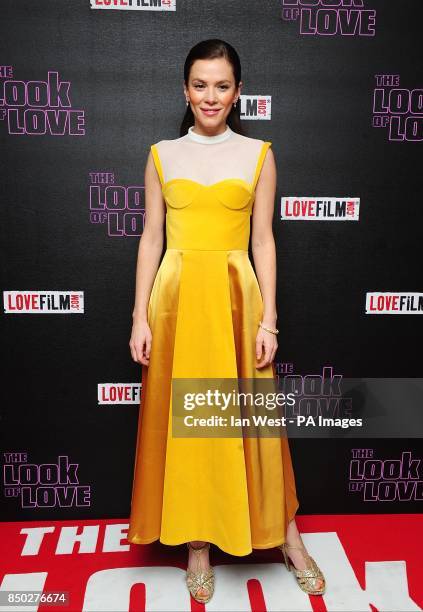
x: 264, y: 255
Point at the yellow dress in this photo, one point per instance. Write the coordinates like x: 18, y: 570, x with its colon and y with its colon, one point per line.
x: 204, y: 309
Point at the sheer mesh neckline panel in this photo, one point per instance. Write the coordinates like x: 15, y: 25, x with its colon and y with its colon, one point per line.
x: 233, y: 158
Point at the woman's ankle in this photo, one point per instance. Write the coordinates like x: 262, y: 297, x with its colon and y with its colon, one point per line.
x: 198, y: 543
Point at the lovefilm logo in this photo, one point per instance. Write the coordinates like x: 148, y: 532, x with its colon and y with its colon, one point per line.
x: 38, y: 108
x: 119, y: 393
x: 384, y: 480
x: 330, y: 17
x: 393, y: 303
x: 44, y: 485
x: 118, y: 207
x: 397, y: 109
x: 256, y: 107
x: 306, y: 208
x: 134, y: 5
x: 43, y: 302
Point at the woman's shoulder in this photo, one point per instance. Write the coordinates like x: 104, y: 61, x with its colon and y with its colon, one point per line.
x: 167, y: 144
x: 169, y: 141
x: 253, y: 145
x: 250, y: 140
x: 252, y: 148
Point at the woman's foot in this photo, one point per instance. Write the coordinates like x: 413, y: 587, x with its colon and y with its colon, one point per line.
x: 200, y: 576
x: 300, y: 560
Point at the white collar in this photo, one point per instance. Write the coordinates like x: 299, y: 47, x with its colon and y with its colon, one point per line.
x: 209, y: 139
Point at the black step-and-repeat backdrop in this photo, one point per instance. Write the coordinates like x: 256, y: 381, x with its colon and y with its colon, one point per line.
x: 85, y: 88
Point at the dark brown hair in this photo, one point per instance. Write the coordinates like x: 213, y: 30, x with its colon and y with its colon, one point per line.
x: 210, y: 49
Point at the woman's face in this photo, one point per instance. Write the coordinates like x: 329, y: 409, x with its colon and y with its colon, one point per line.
x: 211, y: 91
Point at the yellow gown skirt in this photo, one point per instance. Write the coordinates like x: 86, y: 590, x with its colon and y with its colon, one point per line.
x: 237, y: 493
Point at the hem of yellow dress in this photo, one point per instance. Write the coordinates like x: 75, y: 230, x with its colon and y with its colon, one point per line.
x: 136, y: 540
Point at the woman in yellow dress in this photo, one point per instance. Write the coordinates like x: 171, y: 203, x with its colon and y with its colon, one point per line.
x: 203, y: 313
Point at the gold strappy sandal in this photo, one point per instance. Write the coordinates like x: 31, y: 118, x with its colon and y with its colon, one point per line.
x: 200, y: 580
x: 306, y: 578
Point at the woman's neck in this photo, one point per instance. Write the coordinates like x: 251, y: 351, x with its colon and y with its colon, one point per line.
x: 203, y: 139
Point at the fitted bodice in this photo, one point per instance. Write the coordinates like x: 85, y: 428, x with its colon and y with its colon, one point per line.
x: 209, y: 190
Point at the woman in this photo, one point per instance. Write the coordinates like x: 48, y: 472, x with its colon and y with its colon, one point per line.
x: 204, y: 313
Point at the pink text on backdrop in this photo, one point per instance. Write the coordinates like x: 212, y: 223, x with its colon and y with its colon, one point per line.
x: 120, y: 207
x: 398, y: 109
x: 330, y: 17
x: 37, y: 108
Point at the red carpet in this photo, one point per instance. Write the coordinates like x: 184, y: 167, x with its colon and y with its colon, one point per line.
x: 371, y: 562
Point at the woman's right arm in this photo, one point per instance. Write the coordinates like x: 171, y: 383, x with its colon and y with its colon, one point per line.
x: 149, y: 252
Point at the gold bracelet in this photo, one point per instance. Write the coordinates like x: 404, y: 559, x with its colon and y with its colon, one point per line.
x: 272, y: 331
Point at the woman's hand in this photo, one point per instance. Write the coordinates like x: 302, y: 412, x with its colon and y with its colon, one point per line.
x: 140, y: 342
x: 266, y: 346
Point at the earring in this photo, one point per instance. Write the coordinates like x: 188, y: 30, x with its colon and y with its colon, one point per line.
x: 235, y: 103
x: 187, y: 102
